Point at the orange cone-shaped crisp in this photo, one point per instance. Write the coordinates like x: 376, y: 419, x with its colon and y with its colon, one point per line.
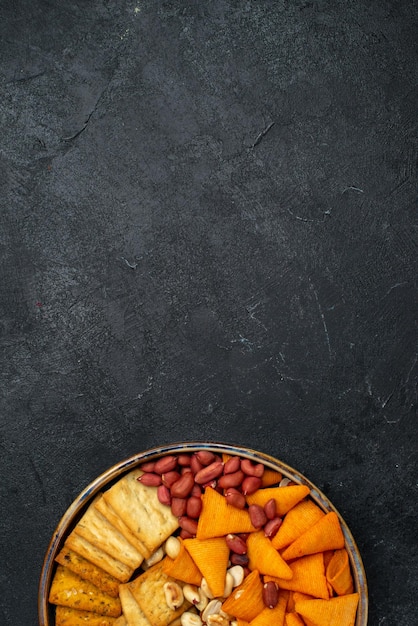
x: 338, y: 573
x: 218, y: 518
x: 275, y: 616
x: 339, y: 611
x: 270, y: 477
x: 263, y: 557
x: 285, y: 497
x: 308, y: 576
x: 293, y: 619
x: 297, y: 521
x: 183, y: 567
x: 246, y: 600
x: 211, y: 557
x: 326, y: 534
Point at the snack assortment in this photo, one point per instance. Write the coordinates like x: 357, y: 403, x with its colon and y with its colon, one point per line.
x: 204, y: 538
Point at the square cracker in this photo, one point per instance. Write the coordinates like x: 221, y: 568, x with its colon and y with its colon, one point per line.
x: 106, y: 510
x: 140, y: 509
x: 65, y: 616
x: 148, y: 591
x: 68, y: 589
x: 132, y: 612
x: 88, y: 571
x: 100, y: 558
x: 96, y: 529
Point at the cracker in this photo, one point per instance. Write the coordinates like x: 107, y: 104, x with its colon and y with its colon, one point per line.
x: 139, y: 508
x: 96, y: 529
x: 148, y: 591
x: 66, y: 616
x: 107, y: 511
x: 100, y: 558
x: 68, y: 589
x: 132, y: 612
x: 88, y: 571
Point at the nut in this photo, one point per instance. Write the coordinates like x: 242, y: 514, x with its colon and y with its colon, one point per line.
x: 235, y: 498
x: 195, y: 596
x: 150, y: 479
x: 173, y: 595
x: 237, y: 573
x: 232, y: 465
x: 169, y: 478
x: 164, y: 495
x: 208, y: 473
x: 172, y: 547
x: 217, y: 619
x: 165, y: 464
x: 270, y: 508
x: 194, y: 507
x: 229, y: 585
x: 156, y: 557
x: 250, y: 484
x: 206, y: 589
x: 190, y: 619
x: 178, y: 506
x: 213, y: 607
x: 188, y: 524
x: 239, y: 559
x: 205, y: 457
x: 257, y: 515
x: 272, y: 526
x: 183, y: 486
x: 231, y: 480
x: 256, y: 469
x: 270, y: 594
x: 236, y: 544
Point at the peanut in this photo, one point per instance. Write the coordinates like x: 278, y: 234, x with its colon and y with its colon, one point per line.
x: 239, y: 559
x: 229, y: 584
x: 184, y: 460
x: 252, y: 469
x: 272, y: 526
x: 237, y: 573
x: 172, y: 547
x: 194, y: 507
x: 188, y: 524
x: 205, y: 457
x: 195, y: 464
x: 235, y: 498
x: 183, y: 486
x: 232, y: 465
x: 257, y: 515
x: 213, y: 607
x: 216, y: 619
x: 150, y: 479
x: 234, y: 479
x: 178, y: 506
x: 205, y: 589
x: 173, y: 595
x: 270, y: 508
x: 236, y: 544
x: 208, y: 473
x: 191, y: 593
x: 270, y: 594
x: 250, y: 484
x: 164, y: 495
x: 169, y: 478
x: 148, y: 466
x: 156, y: 557
x: 165, y: 464
x: 190, y: 619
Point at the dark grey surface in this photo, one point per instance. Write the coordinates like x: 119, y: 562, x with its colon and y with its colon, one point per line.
x: 207, y: 232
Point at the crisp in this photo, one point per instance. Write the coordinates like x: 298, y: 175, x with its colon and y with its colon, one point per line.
x: 211, y: 557
x: 338, y: 573
x: 275, y: 616
x: 264, y: 558
x: 326, y: 534
x: 285, y: 497
x: 246, y: 600
x: 218, y: 518
x: 183, y: 567
x: 339, y: 611
x: 301, y: 517
x: 308, y: 576
x: 100, y: 558
x: 131, y: 610
x: 293, y: 619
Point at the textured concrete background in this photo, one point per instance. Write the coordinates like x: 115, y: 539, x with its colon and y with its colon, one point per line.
x: 207, y: 232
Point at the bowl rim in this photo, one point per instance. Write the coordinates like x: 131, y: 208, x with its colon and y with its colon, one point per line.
x: 115, y: 471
